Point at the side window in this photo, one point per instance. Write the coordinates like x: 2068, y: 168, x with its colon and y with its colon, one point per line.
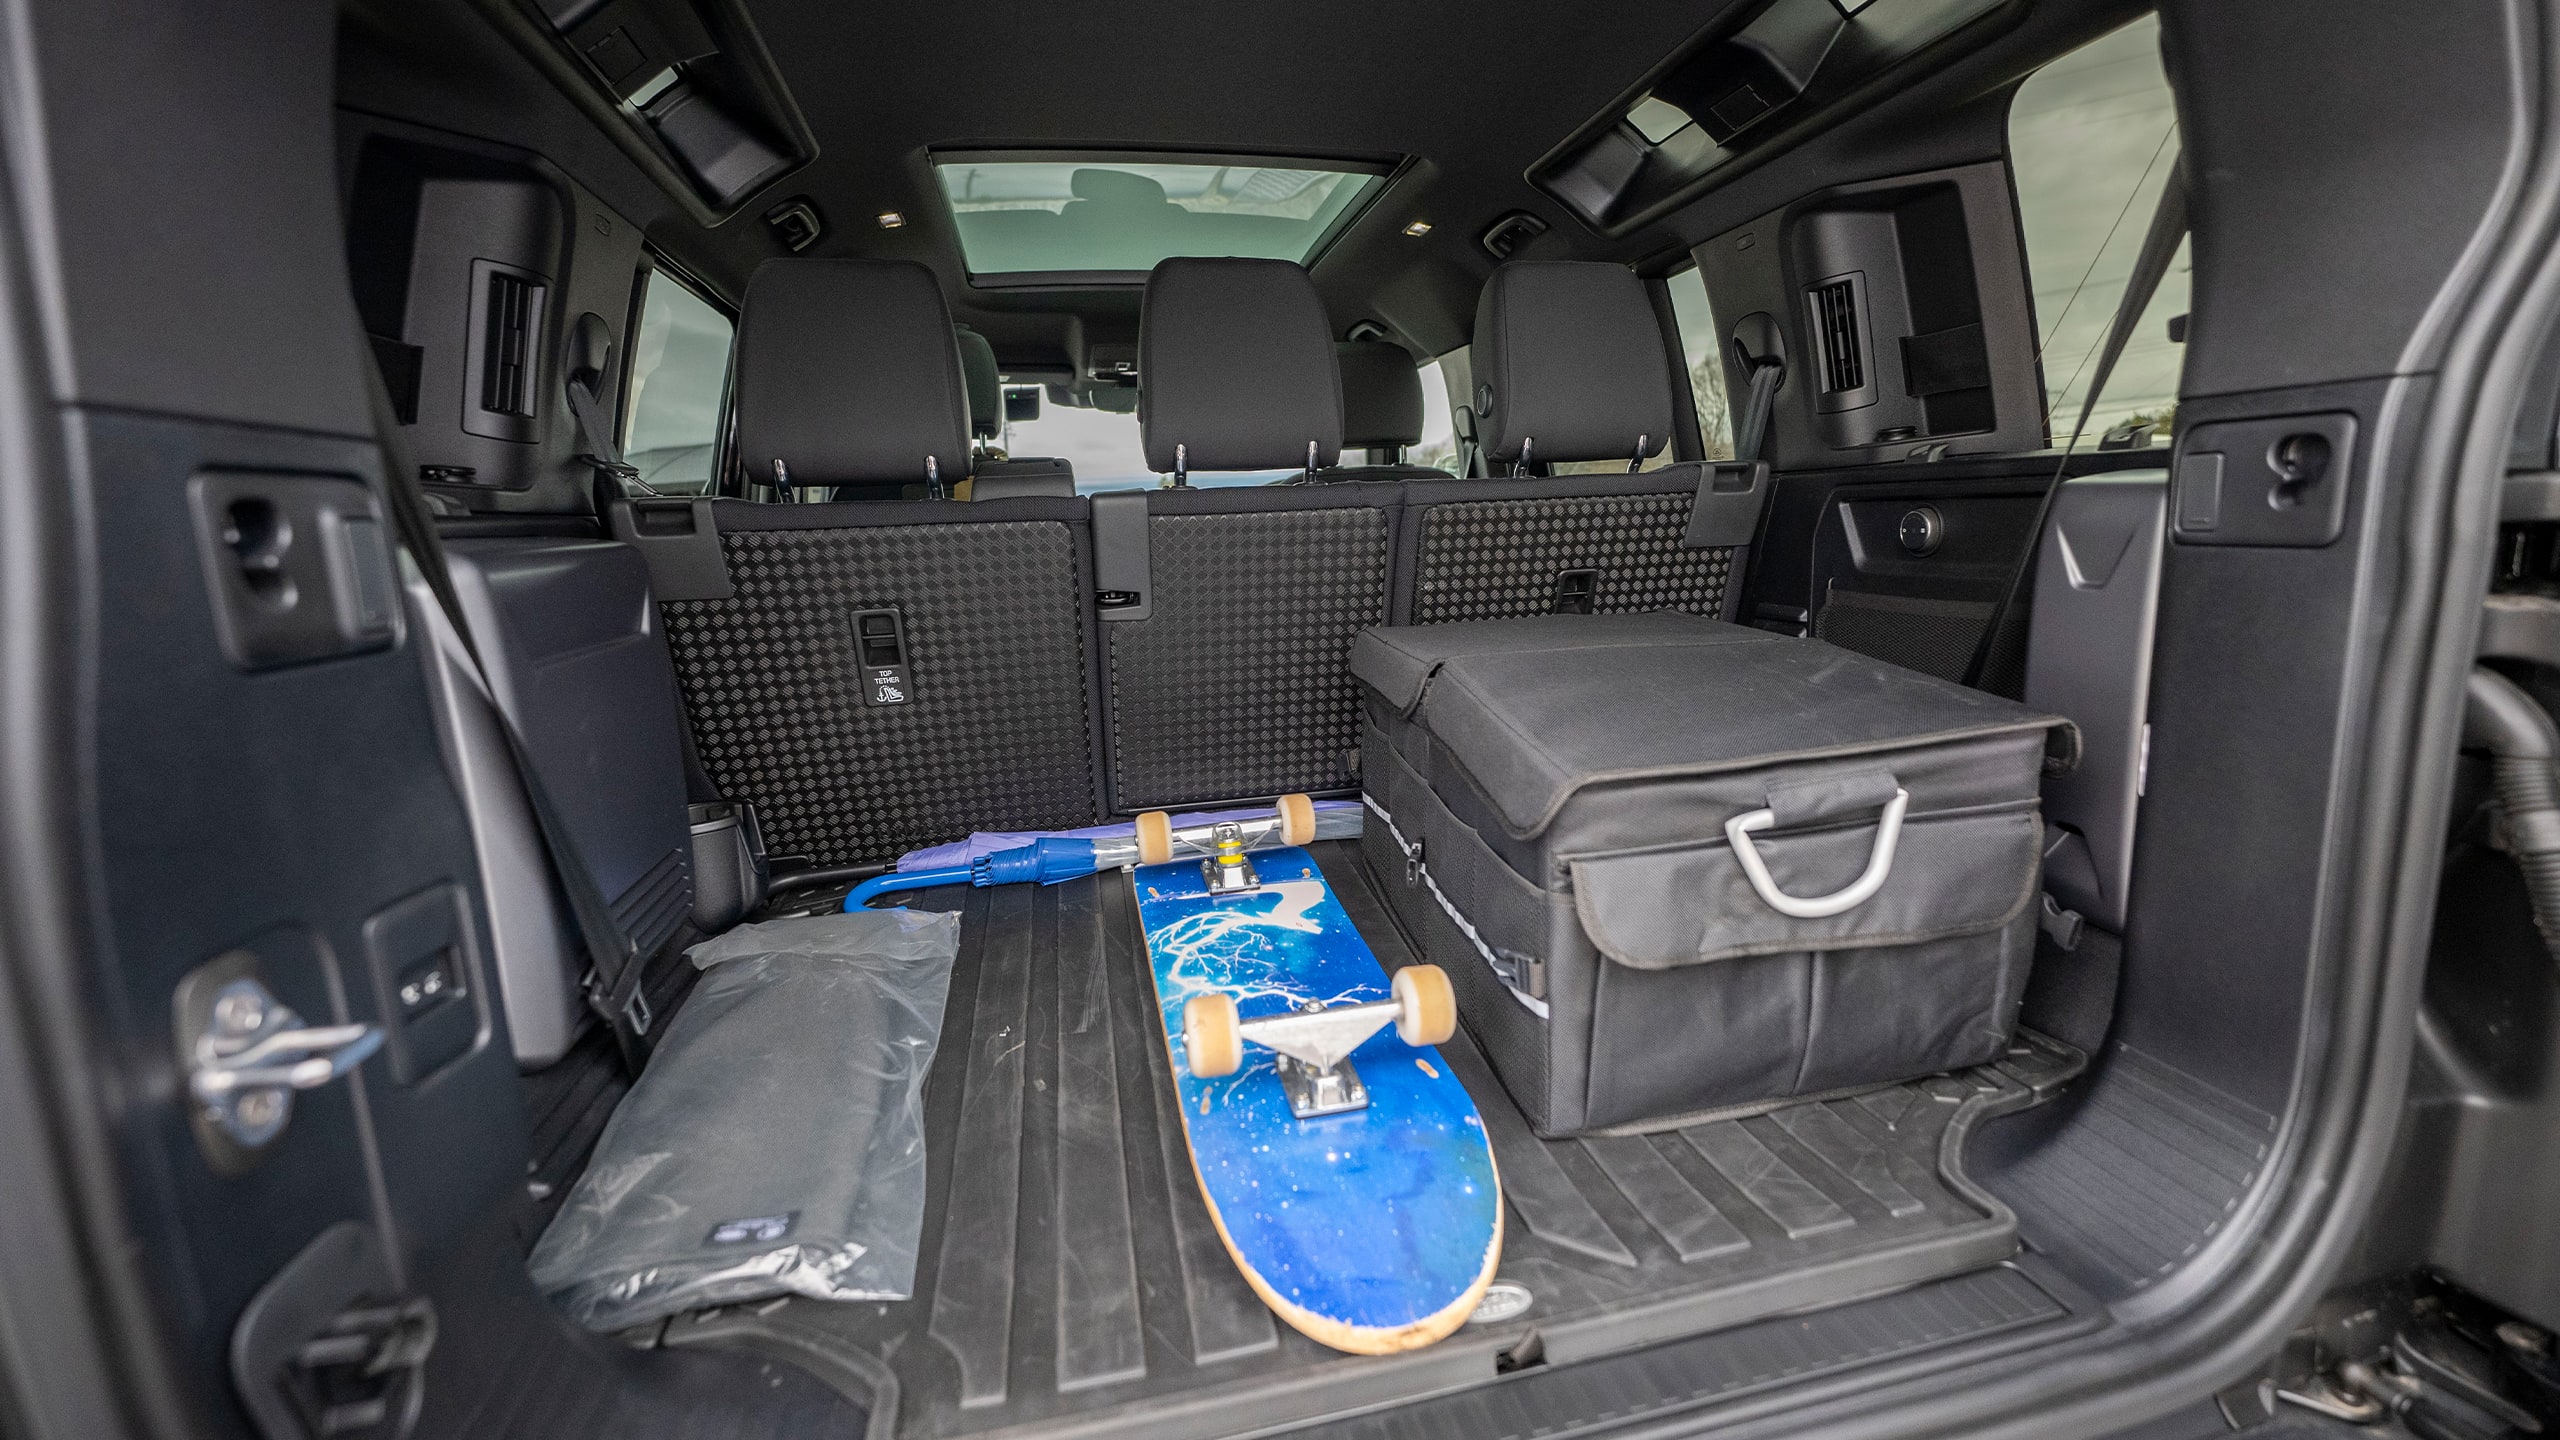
x: 2092, y: 139
x: 679, y: 375
x: 1706, y: 379
x: 1706, y: 367
x: 1438, y: 446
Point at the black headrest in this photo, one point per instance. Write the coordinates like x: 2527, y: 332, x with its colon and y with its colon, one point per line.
x: 1013, y: 479
x: 1381, y: 394
x: 1235, y: 365
x: 848, y: 372
x: 1568, y: 355
x: 986, y: 386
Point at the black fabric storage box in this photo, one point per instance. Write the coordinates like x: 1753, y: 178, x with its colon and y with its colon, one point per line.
x: 1550, y: 799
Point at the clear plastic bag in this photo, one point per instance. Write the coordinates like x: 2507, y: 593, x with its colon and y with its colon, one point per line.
x: 775, y: 1143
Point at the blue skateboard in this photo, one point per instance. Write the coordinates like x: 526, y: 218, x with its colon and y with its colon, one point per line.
x: 1344, y: 1165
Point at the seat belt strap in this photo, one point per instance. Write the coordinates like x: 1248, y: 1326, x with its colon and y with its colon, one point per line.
x: 591, y: 360
x: 2004, y: 637
x: 612, y: 980
x: 1759, y: 402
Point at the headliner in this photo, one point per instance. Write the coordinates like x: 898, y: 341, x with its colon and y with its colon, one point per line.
x: 1473, y: 94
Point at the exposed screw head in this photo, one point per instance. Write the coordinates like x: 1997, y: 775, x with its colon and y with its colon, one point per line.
x: 259, y: 1109
x: 239, y: 1012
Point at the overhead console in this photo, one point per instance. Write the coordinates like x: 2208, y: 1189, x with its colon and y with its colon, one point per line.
x: 1762, y: 72
x: 686, y: 87
x: 1899, y: 311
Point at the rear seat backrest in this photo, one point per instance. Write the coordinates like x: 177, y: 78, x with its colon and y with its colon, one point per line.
x: 1493, y: 549
x: 992, y: 727
x: 1572, y: 368
x: 1236, y: 681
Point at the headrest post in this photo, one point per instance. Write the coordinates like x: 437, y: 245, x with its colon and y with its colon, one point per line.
x: 1528, y: 444
x: 782, y: 477
x: 1311, y: 459
x: 933, y: 477
x: 1635, y: 462
x: 1181, y: 465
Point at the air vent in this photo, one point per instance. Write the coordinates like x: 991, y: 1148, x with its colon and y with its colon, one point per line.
x: 1835, y: 319
x: 505, y: 386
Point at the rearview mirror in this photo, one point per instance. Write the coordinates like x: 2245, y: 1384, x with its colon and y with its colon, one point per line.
x: 1021, y: 403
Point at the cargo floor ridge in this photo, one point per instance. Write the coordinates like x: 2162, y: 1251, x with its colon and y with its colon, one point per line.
x: 1069, y: 1281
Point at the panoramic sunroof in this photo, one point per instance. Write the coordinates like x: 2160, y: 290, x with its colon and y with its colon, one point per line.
x: 1113, y: 217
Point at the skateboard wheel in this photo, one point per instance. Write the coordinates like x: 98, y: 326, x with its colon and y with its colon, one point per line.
x: 1426, y: 1012
x: 1155, y: 838
x: 1211, y: 1038
x: 1297, y: 820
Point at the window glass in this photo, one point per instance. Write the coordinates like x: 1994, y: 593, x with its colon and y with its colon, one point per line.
x: 1094, y: 215
x: 1702, y: 354
x: 1106, y: 449
x: 2092, y: 139
x: 1438, y: 446
x: 679, y: 371
x: 1698, y: 355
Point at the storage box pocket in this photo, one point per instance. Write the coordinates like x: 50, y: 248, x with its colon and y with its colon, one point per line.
x: 1949, y: 875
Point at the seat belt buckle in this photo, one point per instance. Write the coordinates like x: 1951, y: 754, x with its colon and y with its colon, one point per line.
x: 633, y: 1012
x: 2061, y: 926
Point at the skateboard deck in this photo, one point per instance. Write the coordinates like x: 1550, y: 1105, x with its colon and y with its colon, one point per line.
x: 1375, y: 1230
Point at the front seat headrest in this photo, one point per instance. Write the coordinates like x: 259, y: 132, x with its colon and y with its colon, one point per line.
x: 1235, y: 367
x: 848, y: 373
x: 1569, y: 364
x: 1381, y: 394
x: 986, y: 383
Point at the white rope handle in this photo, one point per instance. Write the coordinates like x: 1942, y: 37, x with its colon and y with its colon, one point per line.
x: 1879, y: 864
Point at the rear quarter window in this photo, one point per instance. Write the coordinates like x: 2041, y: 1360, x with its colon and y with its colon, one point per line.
x: 2093, y: 137
x: 679, y: 381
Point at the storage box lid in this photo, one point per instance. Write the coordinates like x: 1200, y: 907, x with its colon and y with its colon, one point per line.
x: 1538, y: 707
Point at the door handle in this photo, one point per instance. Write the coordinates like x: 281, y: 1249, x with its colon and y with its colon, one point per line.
x: 255, y: 1052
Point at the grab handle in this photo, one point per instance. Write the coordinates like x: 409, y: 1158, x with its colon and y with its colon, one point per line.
x: 1879, y: 864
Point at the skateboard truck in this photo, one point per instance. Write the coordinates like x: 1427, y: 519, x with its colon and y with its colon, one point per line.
x: 1314, y: 1041
x: 1292, y: 821
x: 1226, y: 871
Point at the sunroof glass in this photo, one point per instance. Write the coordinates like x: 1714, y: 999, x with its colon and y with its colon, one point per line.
x: 1072, y: 216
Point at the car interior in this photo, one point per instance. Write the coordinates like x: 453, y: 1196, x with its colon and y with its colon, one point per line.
x: 528, y: 500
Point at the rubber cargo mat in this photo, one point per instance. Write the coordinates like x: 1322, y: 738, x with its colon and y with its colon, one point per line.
x: 1070, y: 1281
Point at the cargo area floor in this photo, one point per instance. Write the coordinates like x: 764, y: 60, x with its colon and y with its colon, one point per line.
x: 1070, y: 1282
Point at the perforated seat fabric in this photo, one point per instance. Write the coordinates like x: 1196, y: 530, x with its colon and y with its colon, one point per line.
x: 996, y: 732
